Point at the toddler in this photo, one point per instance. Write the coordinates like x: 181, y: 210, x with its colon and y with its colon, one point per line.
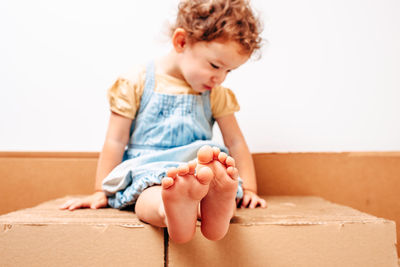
x: 161, y: 122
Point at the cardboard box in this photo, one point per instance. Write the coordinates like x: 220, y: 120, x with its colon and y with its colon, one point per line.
x: 366, y: 181
x: 46, y: 236
x: 295, y: 231
x: 292, y: 231
x: 30, y: 178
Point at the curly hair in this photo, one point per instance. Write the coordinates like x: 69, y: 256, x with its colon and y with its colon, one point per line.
x: 207, y: 20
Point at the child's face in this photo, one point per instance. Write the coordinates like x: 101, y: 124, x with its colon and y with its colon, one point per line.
x: 205, y: 65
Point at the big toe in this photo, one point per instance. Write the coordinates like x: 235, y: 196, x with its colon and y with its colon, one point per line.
x: 205, y: 154
x: 204, y: 175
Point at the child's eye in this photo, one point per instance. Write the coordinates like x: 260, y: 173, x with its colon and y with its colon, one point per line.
x: 214, y: 66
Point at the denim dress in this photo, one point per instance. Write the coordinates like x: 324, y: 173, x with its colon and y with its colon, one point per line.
x: 168, y: 130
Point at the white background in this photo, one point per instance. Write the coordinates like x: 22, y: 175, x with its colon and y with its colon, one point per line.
x: 328, y: 80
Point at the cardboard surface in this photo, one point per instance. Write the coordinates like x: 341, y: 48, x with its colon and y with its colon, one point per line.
x: 46, y: 236
x: 367, y: 181
x: 30, y: 178
x: 294, y: 231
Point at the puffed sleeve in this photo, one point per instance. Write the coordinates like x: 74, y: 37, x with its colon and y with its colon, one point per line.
x: 223, y: 102
x: 125, y: 94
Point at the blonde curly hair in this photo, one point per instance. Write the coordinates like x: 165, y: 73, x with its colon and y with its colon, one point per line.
x: 207, y: 20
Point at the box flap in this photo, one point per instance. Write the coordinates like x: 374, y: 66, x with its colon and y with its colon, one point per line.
x: 301, y: 211
x: 48, y: 213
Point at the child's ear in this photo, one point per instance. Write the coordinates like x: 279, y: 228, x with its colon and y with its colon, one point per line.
x: 179, y: 40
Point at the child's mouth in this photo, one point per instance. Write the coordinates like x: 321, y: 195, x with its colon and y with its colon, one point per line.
x: 207, y: 87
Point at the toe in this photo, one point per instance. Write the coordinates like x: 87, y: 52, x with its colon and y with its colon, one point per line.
x: 167, y: 182
x: 232, y: 172
x: 183, y: 169
x: 204, y: 175
x: 216, y: 152
x: 172, y: 172
x: 230, y: 161
x: 205, y: 154
x: 192, y: 166
x: 222, y: 157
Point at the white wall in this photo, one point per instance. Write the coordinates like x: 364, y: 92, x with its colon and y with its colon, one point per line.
x: 329, y: 80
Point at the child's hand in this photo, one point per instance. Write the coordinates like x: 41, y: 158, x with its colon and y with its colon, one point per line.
x: 252, y: 200
x: 94, y: 201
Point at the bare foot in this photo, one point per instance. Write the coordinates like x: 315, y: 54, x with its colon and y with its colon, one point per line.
x: 219, y: 205
x: 181, y: 193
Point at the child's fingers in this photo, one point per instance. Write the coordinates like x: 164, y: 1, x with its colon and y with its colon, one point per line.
x: 63, y: 206
x: 66, y: 204
x: 245, y: 201
x: 88, y: 202
x: 238, y: 201
x: 80, y: 203
x: 75, y: 205
x: 98, y: 204
x: 263, y: 203
x: 253, y: 202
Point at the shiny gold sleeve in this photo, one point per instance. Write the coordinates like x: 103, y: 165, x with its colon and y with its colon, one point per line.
x: 223, y: 102
x: 123, y: 98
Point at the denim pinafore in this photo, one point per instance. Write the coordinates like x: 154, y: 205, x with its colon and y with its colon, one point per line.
x: 167, y: 131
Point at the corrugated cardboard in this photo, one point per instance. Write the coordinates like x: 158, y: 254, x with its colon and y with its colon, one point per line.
x: 30, y: 178
x: 367, y: 181
x: 294, y: 231
x: 46, y: 236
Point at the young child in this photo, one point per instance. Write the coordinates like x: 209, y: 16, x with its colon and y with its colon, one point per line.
x: 162, y: 117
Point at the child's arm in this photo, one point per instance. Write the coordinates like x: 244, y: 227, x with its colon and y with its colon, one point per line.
x: 234, y: 140
x: 111, y: 155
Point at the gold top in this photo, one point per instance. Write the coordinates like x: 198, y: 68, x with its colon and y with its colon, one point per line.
x: 124, y: 95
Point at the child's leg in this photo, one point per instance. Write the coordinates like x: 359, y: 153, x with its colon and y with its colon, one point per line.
x: 149, y: 207
x: 219, y: 205
x: 175, y: 203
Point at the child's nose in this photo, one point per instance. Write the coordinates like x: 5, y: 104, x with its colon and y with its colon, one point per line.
x: 219, y: 78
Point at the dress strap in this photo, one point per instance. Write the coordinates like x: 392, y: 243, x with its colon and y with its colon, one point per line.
x: 207, y: 106
x: 148, y: 85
